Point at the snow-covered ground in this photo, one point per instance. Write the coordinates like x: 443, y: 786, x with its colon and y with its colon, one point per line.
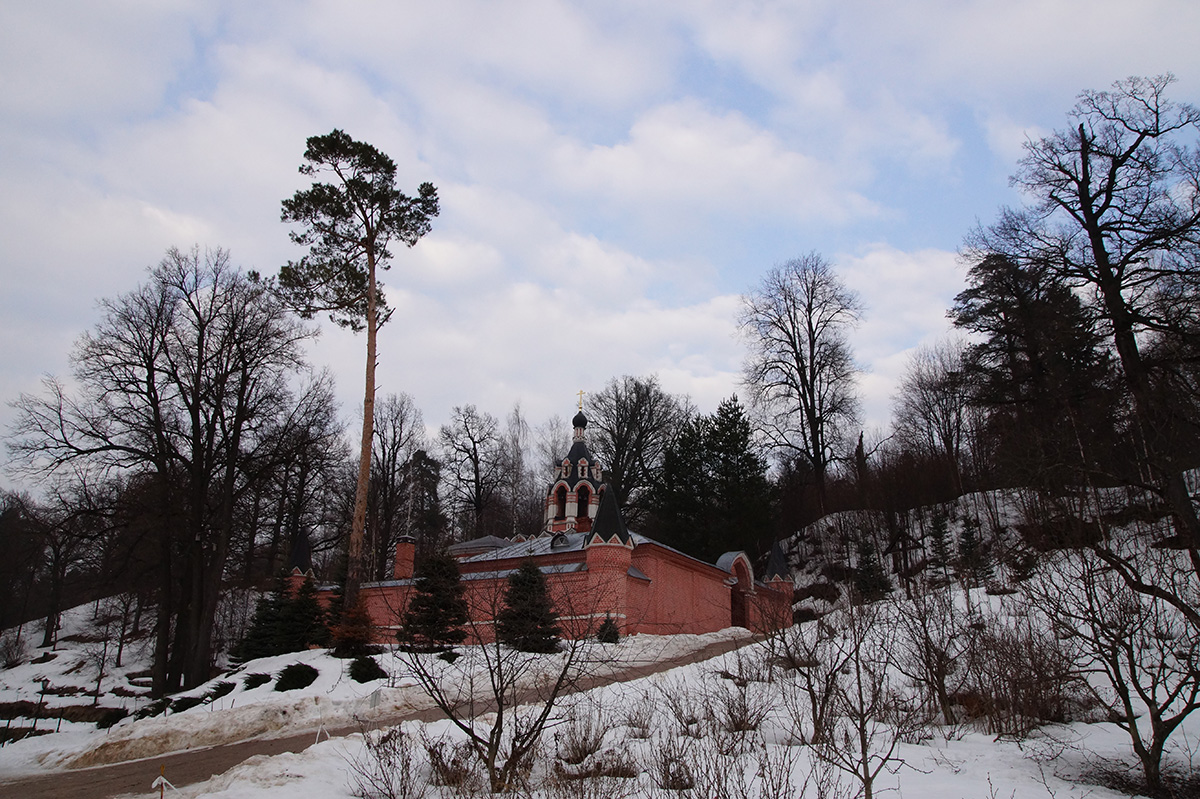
x: 331, y: 701
x: 650, y: 725
x: 970, y: 765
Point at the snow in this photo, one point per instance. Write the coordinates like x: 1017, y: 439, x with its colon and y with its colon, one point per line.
x: 950, y: 762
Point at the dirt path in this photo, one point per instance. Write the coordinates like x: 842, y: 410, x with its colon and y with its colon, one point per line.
x: 196, y: 765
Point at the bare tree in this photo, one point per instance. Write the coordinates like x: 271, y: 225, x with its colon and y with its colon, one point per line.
x: 632, y: 423
x: 800, y: 374
x: 183, y: 383
x: 931, y: 404
x: 1147, y: 651
x: 871, y: 713
x: 473, y: 459
x: 399, y: 434
x: 1117, y: 210
x: 502, y: 698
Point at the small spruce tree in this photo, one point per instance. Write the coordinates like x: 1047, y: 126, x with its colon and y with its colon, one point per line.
x: 352, y: 635
x: 608, y: 632
x: 974, y: 559
x: 870, y: 580
x: 437, y: 611
x: 528, y: 620
x: 939, y: 546
x: 284, y: 623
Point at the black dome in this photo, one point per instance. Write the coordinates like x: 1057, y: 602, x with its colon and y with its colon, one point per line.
x: 579, y: 421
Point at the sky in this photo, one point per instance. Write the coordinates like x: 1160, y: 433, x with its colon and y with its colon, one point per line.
x: 613, y: 176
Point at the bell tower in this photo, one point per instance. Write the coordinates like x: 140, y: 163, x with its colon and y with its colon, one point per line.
x: 574, y: 496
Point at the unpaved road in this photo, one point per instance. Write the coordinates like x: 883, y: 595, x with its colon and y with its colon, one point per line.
x: 197, y: 765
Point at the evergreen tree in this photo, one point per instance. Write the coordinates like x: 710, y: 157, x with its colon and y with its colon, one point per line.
x: 608, y: 632
x: 284, y: 623
x: 713, y: 495
x: 939, y: 545
x: 437, y: 611
x: 528, y: 620
x: 974, y: 559
x: 870, y: 580
x: 303, y: 621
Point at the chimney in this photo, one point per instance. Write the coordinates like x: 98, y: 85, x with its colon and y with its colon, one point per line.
x: 406, y: 552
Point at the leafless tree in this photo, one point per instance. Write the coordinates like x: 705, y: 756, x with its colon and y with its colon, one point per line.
x: 800, y: 374
x: 501, y: 698
x: 632, y: 423
x: 183, y: 382
x: 1148, y: 653
x: 522, y: 484
x: 871, y: 712
x: 1116, y: 209
x: 472, y: 454
x: 931, y: 404
x: 399, y: 433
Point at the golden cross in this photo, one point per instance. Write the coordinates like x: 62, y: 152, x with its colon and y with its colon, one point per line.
x: 581, y: 399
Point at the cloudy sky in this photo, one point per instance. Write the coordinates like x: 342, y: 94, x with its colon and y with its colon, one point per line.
x: 612, y: 175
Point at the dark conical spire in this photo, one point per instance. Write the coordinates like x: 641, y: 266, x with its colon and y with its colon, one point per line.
x: 609, y: 523
x: 777, y: 566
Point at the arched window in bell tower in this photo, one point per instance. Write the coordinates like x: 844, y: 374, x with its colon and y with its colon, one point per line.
x: 584, y: 496
x: 560, y: 502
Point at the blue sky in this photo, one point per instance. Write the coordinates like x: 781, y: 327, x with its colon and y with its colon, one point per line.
x: 613, y: 175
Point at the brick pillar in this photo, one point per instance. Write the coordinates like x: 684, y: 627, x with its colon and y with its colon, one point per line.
x: 406, y: 553
x: 608, y: 570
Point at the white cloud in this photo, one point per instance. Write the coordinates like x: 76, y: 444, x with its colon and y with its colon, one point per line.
x: 683, y: 158
x: 906, y: 295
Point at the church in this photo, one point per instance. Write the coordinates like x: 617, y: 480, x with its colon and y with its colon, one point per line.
x: 596, y: 568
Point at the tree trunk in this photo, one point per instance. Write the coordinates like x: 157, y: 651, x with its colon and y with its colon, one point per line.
x: 354, y: 555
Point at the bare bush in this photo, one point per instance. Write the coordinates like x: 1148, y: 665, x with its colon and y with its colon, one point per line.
x: 1020, y: 677
x: 388, y: 767
x: 679, y: 700
x: 12, y: 649
x: 811, y: 653
x: 871, y: 712
x: 639, y: 718
x: 582, y: 733
x: 932, y: 646
x: 670, y: 768
x: 450, y: 763
x: 735, y: 707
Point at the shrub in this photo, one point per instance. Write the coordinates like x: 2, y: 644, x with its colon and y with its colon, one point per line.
x: 186, y: 703
x: 581, y: 736
x: 388, y: 768
x: 365, y: 669
x: 155, y: 708
x: 111, y: 717
x: 608, y: 633
x: 256, y: 679
x: 295, y: 676
x: 352, y: 635
x: 449, y: 762
x: 219, y: 690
